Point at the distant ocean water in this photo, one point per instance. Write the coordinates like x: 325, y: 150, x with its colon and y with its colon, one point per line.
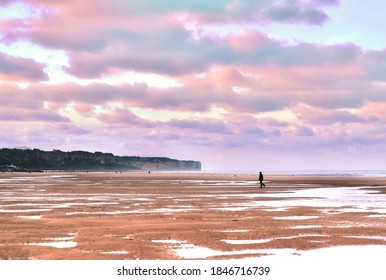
x: 365, y: 173
x: 368, y: 173
x: 371, y: 173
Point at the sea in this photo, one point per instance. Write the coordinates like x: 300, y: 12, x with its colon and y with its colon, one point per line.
x: 364, y: 173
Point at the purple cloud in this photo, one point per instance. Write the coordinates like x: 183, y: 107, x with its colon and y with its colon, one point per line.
x: 202, y: 126
x: 30, y: 116
x: 20, y: 69
x: 297, y: 11
x: 319, y: 116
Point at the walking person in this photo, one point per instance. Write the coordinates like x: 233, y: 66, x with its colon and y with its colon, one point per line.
x: 261, y: 179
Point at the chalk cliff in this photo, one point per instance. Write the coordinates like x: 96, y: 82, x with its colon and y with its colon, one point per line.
x: 36, y: 159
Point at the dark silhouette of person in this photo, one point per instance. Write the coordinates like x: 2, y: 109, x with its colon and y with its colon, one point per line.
x: 261, y: 179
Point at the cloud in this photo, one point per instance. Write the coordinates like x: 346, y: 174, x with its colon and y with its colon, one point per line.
x: 30, y: 116
x: 302, y: 131
x: 295, y: 14
x: 122, y: 36
x: 200, y: 126
x: 20, y: 69
x: 248, y: 40
x: 321, y: 116
x: 24, y: 105
x: 302, y: 11
x: 236, y: 88
x: 124, y: 117
x: 184, y: 56
x: 375, y: 63
x: 99, y: 24
x: 374, y: 112
x: 66, y: 128
x: 297, y: 11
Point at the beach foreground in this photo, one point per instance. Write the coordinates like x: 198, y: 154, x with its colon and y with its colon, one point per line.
x: 171, y: 216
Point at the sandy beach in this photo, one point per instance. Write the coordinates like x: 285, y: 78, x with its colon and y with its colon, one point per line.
x: 172, y: 216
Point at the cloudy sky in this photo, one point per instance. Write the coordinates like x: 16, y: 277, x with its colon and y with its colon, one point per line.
x: 238, y: 84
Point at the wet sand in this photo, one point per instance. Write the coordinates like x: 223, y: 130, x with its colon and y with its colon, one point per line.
x: 172, y: 216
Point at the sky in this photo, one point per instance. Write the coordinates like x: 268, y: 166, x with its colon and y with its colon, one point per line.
x: 240, y: 85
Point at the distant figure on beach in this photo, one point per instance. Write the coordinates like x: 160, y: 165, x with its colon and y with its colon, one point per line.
x: 261, y: 179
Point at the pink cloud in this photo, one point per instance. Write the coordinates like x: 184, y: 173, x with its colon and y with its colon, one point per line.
x: 104, y: 37
x: 25, y: 105
x: 14, y: 97
x: 374, y: 111
x: 185, y: 56
x: 247, y: 40
x: 241, y: 74
x: 227, y: 77
x: 299, y: 11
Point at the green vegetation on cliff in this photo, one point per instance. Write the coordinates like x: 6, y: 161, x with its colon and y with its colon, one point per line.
x: 35, y: 159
